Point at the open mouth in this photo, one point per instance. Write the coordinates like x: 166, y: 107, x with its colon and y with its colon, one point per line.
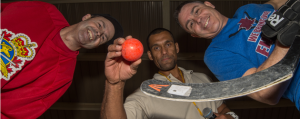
x: 90, y: 34
x: 206, y: 23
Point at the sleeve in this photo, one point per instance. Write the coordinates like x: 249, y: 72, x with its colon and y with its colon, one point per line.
x: 226, y: 65
x: 204, y: 78
x: 43, y: 80
x: 134, y: 106
x: 3, y: 6
x: 218, y: 104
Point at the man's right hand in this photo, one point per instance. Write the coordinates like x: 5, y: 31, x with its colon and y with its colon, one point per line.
x: 283, y: 25
x: 116, y: 67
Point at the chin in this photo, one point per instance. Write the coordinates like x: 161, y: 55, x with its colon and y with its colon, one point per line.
x: 167, y: 68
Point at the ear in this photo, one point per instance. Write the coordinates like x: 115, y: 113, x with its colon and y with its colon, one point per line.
x: 194, y: 35
x: 149, y: 55
x: 209, y: 4
x: 177, y: 47
x: 87, y: 16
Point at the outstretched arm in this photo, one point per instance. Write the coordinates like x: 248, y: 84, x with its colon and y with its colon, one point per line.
x: 273, y: 94
x: 276, y: 3
x: 117, y: 71
x: 222, y: 110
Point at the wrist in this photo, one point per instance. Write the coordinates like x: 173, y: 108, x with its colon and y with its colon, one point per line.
x: 233, y: 115
x: 115, y: 84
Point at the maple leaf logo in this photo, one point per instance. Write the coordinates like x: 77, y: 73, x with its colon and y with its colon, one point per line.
x: 8, y: 69
x: 246, y: 23
x: 17, y: 61
x: 6, y: 35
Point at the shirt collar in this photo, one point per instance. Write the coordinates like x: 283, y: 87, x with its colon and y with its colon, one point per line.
x: 186, y: 74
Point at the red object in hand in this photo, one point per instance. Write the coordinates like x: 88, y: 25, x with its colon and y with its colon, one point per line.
x: 132, y: 49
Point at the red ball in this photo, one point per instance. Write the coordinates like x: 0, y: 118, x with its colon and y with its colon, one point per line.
x: 132, y: 49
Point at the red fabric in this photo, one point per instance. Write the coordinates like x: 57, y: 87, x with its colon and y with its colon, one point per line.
x: 29, y: 91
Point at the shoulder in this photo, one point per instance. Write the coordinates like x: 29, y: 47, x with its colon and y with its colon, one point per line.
x: 253, y: 5
x: 253, y: 8
x: 201, y: 77
x: 30, y: 4
x: 138, y: 95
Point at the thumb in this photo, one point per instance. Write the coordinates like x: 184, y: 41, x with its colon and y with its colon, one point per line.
x: 217, y: 114
x: 135, y: 64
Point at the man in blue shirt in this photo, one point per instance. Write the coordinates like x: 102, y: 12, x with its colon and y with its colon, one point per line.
x: 238, y: 42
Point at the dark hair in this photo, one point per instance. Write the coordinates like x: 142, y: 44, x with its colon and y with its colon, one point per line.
x: 118, y: 27
x: 157, y: 31
x: 178, y: 9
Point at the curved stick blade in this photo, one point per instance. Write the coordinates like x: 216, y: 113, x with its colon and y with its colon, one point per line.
x: 275, y: 74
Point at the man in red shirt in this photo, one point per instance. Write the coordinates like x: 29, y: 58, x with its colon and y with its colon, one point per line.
x: 38, y: 54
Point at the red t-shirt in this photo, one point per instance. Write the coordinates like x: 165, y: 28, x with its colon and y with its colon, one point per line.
x: 36, y: 66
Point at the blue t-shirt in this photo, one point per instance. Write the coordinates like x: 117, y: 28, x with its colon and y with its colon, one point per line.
x: 239, y: 47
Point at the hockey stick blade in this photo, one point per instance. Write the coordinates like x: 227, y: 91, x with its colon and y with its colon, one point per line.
x: 275, y: 74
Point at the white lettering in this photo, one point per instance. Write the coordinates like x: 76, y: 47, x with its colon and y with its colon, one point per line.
x: 275, y: 19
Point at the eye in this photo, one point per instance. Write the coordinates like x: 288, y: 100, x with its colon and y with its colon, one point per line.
x: 156, y: 48
x: 99, y: 25
x: 169, y: 44
x: 191, y: 25
x: 196, y: 12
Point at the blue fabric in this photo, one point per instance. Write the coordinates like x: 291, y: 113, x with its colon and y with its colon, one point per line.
x: 232, y: 52
x: 239, y: 47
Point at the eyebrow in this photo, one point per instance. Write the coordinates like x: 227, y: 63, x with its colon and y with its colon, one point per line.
x: 193, y: 9
x: 102, y: 23
x: 167, y: 41
x: 153, y: 46
x: 105, y: 35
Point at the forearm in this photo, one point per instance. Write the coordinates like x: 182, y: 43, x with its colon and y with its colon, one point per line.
x: 278, y: 53
x: 276, y: 3
x: 270, y: 95
x: 223, y: 109
x: 112, y: 105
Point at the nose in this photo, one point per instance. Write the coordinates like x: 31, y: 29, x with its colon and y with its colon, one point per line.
x: 196, y: 19
x: 163, y: 50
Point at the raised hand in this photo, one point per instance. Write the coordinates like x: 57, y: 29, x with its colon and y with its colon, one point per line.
x: 117, y: 68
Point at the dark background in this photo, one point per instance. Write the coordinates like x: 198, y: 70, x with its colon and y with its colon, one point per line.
x: 138, y: 17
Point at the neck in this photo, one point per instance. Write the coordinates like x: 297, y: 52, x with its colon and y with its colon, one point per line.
x: 175, y: 72
x: 225, y: 21
x: 68, y: 36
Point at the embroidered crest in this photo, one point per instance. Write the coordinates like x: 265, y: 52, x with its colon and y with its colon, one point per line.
x: 16, y: 49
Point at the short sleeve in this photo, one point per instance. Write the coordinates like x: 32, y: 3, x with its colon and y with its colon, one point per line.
x: 226, y: 65
x: 134, y: 106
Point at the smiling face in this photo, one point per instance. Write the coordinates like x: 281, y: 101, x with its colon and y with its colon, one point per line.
x: 94, y: 32
x: 163, y: 50
x: 201, y: 20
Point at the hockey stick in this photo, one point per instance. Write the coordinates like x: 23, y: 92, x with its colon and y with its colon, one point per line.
x: 275, y: 74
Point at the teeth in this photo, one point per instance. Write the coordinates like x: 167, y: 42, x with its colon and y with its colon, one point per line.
x: 90, y: 34
x: 206, y: 22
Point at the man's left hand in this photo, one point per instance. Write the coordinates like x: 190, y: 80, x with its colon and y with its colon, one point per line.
x: 223, y: 116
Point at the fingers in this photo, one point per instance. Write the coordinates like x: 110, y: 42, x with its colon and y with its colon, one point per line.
x: 128, y: 37
x: 217, y: 114
x: 87, y: 16
x: 119, y: 41
x: 135, y: 64
x: 115, y: 49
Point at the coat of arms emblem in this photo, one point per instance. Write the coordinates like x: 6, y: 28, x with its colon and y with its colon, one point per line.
x: 16, y: 49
